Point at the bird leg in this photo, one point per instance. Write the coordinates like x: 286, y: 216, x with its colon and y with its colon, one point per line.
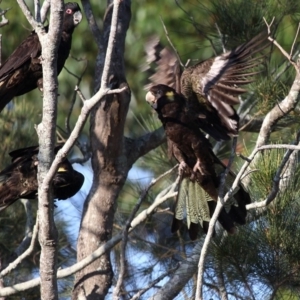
x: 173, y: 149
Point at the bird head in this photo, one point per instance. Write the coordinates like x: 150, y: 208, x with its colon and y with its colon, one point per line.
x: 67, y: 181
x: 159, y: 95
x: 72, y: 16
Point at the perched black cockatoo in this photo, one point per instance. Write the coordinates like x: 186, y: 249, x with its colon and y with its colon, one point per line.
x: 199, y: 166
x: 210, y: 87
x: 22, y: 71
x: 19, y: 179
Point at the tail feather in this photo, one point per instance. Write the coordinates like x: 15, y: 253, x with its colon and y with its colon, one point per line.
x: 194, y: 204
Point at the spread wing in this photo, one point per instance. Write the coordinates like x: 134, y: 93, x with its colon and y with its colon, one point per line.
x: 166, y: 68
x: 219, y: 80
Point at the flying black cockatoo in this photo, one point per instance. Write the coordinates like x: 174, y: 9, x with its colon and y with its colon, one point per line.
x: 19, y: 179
x: 22, y: 71
x: 199, y: 167
x: 211, y: 87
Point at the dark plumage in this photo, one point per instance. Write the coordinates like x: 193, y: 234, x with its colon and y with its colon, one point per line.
x: 19, y: 179
x: 210, y: 87
x: 199, y: 166
x: 22, y: 71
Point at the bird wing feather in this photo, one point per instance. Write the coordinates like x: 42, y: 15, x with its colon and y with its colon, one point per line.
x: 167, y: 69
x: 29, y: 49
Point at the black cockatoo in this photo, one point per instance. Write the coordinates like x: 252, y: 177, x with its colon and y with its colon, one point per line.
x: 19, y: 179
x: 211, y: 87
x: 199, y: 166
x: 22, y: 71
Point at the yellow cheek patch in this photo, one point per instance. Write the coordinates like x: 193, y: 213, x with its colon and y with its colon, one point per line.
x: 62, y: 169
x: 170, y: 95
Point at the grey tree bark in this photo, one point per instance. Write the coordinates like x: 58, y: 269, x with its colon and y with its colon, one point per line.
x: 46, y: 132
x: 109, y: 164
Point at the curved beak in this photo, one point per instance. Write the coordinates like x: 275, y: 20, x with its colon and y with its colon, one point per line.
x: 150, y: 98
x: 77, y: 17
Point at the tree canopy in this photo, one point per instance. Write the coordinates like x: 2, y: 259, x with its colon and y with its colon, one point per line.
x: 125, y: 221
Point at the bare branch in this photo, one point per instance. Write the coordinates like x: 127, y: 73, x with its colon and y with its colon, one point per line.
x: 288, y: 56
x: 277, y: 178
x: 80, y: 94
x: 170, y: 42
x: 212, y: 223
x: 25, y: 254
x: 144, y: 194
x: 88, y: 104
x: 79, y: 78
x: 44, y: 10
x: 295, y: 39
x: 182, y: 275
x: 142, y: 145
x: 4, y: 21
x: 278, y: 111
x: 35, y: 25
x: 92, y: 22
x: 28, y: 228
x: 221, y: 38
x: 221, y: 282
x: 152, y: 284
x: 167, y: 193
x: 37, y: 10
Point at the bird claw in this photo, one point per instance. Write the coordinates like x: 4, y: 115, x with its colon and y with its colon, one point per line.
x: 197, y: 167
x: 182, y: 167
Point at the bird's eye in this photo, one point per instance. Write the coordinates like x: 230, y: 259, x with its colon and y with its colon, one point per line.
x: 69, y: 11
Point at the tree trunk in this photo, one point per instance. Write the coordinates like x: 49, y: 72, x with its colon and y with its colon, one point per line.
x: 46, y: 132
x: 109, y: 164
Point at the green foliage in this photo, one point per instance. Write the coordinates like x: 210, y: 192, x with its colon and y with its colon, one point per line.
x: 264, y: 171
x: 17, y: 130
x: 268, y: 94
x: 264, y: 253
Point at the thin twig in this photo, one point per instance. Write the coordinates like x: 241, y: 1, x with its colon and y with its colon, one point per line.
x: 288, y: 56
x: 4, y: 21
x: 88, y: 104
x: 28, y: 227
x: 144, y: 194
x: 169, y: 192
x: 221, y: 37
x: 79, y: 79
x: 294, y: 42
x: 152, y: 284
x: 36, y: 25
x: 170, y: 42
x: 276, y: 180
x: 212, y: 222
x: 79, y: 93
x: 20, y: 258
